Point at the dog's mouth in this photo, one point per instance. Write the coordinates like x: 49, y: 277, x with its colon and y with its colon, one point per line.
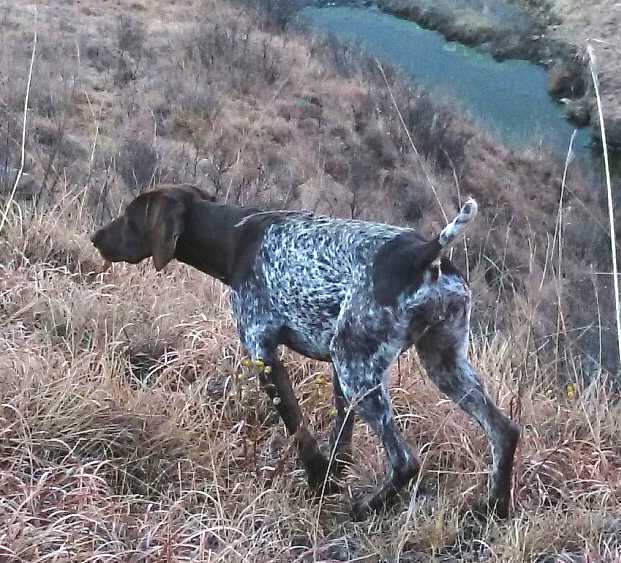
x: 109, y: 255
x: 109, y: 258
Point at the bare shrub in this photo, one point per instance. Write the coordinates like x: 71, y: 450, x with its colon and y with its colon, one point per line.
x: 99, y: 52
x: 176, y: 166
x: 214, y: 43
x: 137, y: 164
x: 126, y: 71
x: 416, y: 198
x: 130, y: 44
x: 277, y: 14
x: 342, y: 56
x: 53, y: 99
x: 381, y: 147
x: 250, y: 59
x: 282, y: 12
x: 130, y: 35
x: 54, y: 137
x: 436, y: 133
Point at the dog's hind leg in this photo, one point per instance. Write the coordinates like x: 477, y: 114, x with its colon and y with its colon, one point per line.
x: 362, y: 356
x: 342, y: 428
x: 443, y: 351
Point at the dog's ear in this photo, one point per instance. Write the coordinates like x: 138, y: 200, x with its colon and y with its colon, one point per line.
x: 165, y: 224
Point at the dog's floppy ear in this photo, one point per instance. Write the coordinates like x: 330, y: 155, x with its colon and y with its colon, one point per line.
x: 165, y: 223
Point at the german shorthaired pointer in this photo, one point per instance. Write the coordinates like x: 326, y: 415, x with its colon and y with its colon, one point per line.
x: 353, y: 293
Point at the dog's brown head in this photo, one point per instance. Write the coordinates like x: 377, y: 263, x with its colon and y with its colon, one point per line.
x: 150, y: 226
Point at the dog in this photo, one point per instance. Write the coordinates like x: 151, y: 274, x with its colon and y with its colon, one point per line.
x: 349, y: 292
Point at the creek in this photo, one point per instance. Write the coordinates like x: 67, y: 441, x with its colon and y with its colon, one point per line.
x: 508, y: 99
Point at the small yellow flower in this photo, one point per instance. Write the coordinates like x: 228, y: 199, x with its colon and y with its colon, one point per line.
x: 246, y: 362
x: 259, y: 363
x: 332, y: 411
x: 571, y: 391
x: 321, y: 379
x: 267, y: 370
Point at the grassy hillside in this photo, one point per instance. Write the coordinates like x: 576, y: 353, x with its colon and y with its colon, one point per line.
x: 128, y: 432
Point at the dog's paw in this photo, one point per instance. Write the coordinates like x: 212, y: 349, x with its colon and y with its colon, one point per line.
x: 319, y: 485
x: 364, y: 506
x: 484, y: 510
x: 340, y: 462
x: 360, y: 510
x: 498, y: 508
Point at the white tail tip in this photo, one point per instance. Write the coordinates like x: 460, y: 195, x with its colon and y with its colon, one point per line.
x: 458, y: 225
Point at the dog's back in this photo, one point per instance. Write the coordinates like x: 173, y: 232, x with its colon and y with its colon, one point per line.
x: 311, y: 259
x: 306, y: 268
x: 306, y: 261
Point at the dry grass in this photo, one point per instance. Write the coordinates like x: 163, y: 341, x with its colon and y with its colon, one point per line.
x: 127, y: 433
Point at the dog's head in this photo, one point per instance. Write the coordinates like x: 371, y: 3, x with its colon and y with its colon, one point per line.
x: 150, y: 226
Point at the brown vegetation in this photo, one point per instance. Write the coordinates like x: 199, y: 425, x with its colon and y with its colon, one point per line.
x: 127, y: 432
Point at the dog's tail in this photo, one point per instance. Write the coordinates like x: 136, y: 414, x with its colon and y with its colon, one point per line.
x: 398, y: 265
x: 429, y: 254
x: 457, y: 226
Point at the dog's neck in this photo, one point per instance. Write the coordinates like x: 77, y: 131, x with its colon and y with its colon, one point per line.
x: 211, y: 242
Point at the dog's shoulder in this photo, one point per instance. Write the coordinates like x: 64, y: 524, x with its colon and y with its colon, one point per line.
x: 250, y: 233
